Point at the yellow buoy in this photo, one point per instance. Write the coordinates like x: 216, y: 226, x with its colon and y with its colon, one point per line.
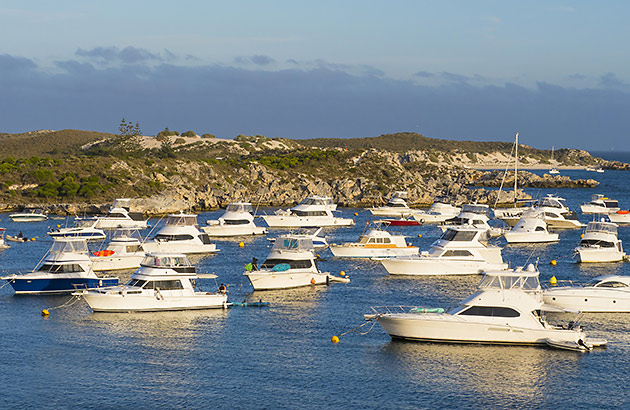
x: 318, y: 255
x: 342, y: 273
x: 241, y: 244
x: 45, y: 312
x: 334, y: 339
x: 419, y: 235
x: 581, y: 236
x: 356, y: 214
x: 32, y: 239
x: 58, y: 226
x: 553, y: 262
x: 553, y: 281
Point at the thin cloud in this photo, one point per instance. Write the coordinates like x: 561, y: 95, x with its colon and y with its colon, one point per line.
x: 127, y: 55
x: 257, y: 59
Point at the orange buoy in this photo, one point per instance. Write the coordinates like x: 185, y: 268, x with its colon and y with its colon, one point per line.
x: 313, y: 281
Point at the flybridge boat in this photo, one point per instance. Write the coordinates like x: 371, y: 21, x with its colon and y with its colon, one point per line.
x: 29, y: 215
x: 556, y: 213
x: 237, y: 220
x: 290, y: 264
x: 396, y: 206
x: 124, y: 251
x: 164, y: 281
x: 376, y: 243
x: 531, y: 229
x: 84, y: 228
x: 180, y: 234
x: 65, y: 268
x: 600, y: 244
x: 603, y: 294
x: 459, y: 251
x: 440, y: 211
x: 506, y: 309
x: 476, y: 215
x: 120, y: 216
x: 314, y: 211
x: 599, y: 204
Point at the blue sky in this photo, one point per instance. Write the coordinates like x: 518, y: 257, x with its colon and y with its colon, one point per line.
x: 558, y: 72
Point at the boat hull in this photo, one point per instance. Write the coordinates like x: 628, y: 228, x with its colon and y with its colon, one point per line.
x: 588, y: 300
x: 116, y: 263
x: 111, y: 223
x: 233, y: 230
x: 599, y: 255
x: 342, y: 251
x: 530, y: 237
x: 290, y: 221
x: 28, y: 286
x: 163, y: 301
x: 391, y: 211
x: 26, y: 218
x: 265, y: 280
x: 174, y: 247
x: 439, y: 266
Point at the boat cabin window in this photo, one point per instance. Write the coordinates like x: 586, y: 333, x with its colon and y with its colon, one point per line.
x: 168, y: 238
x: 478, y: 222
x: 239, y: 207
x: 138, y: 283
x: 603, y: 227
x: 611, y: 284
x: 116, y: 215
x: 166, y: 261
x: 529, y: 282
x: 295, y: 264
x: 492, y: 311
x: 236, y: 221
x: 164, y: 284
x: 58, y: 268
x: 182, y: 220
x: 317, y: 201
x: 596, y: 243
x: 308, y: 213
x: 539, y: 228
x: 134, y: 248
x: 552, y: 215
x: 457, y: 252
x: 459, y: 236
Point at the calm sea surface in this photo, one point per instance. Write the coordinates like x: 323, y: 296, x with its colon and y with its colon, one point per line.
x: 282, y: 357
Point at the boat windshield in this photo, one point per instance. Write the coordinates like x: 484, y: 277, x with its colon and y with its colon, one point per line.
x: 162, y: 261
x: 69, y: 246
x: 84, y: 223
x: 456, y: 235
x: 137, y: 283
x: 239, y: 208
x: 553, y: 202
x: 126, y: 234
x: 182, y: 220
x: 61, y: 268
x: 603, y: 227
x: 498, y: 281
x: 476, y: 209
x: 293, y: 244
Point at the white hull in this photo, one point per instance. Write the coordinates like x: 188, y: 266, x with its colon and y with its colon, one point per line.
x: 591, y: 209
x: 149, y: 302
x: 619, y: 218
x: 431, y: 217
x: 599, y: 255
x: 291, y: 221
x: 446, y: 328
x: 233, y: 230
x: 178, y: 247
x: 530, y: 237
x: 588, y: 300
x: 439, y: 266
x: 106, y: 263
x: 266, y: 280
x: 344, y: 251
x: 391, y: 211
x: 27, y: 218
x: 114, y: 223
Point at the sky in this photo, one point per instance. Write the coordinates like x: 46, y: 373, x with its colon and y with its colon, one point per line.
x: 557, y: 72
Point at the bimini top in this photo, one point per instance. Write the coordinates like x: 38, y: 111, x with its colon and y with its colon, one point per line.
x: 464, y: 233
x: 318, y: 200
x: 519, y: 278
x: 182, y: 219
x: 166, y: 260
x: 476, y: 209
x: 292, y: 243
x: 239, y: 207
x: 603, y: 227
x: 69, y: 245
x: 553, y: 202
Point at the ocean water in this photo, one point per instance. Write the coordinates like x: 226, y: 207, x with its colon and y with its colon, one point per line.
x: 281, y: 356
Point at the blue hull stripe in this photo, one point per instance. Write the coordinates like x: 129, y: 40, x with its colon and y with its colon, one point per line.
x: 65, y: 285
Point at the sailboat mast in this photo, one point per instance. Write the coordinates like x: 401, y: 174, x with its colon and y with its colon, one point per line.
x: 515, y: 167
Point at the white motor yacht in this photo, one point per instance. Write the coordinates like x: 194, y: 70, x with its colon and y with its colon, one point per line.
x: 599, y: 204
x: 29, y: 215
x: 620, y: 217
x: 375, y: 243
x: 459, y: 251
x: 609, y: 293
x: 164, y: 281
x: 530, y: 229
x: 396, y: 206
x: 238, y: 220
x: 181, y: 235
x: 84, y: 228
x: 506, y: 309
x: 120, y: 216
x: 476, y: 215
x: 124, y: 251
x: 556, y: 213
x: 291, y: 263
x: 65, y: 268
x: 440, y: 211
x: 600, y: 243
x: 314, y: 211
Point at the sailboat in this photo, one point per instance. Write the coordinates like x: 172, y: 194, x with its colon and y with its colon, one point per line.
x: 515, y: 211
x: 553, y: 170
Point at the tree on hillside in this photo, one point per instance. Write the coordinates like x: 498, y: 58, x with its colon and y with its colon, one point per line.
x: 128, y: 139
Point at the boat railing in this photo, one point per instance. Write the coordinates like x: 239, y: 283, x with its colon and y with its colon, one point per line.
x: 394, y: 309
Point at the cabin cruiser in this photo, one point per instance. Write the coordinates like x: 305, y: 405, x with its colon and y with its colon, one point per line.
x: 476, y: 215
x: 237, y: 220
x: 291, y: 263
x: 164, y: 281
x: 3, y: 243
x: 459, y: 251
x: 440, y: 211
x: 29, y: 215
x: 64, y: 269
x: 506, y: 309
x: 530, y: 229
x: 124, y: 251
x: 376, y: 243
x: 314, y: 211
x: 396, y: 206
x: 181, y: 235
x: 609, y: 293
x: 599, y: 204
x: 120, y: 216
x: 556, y: 213
x: 600, y: 243
x: 620, y: 217
x: 84, y: 228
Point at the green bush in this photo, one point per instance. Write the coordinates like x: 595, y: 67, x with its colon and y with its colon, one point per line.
x: 189, y: 134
